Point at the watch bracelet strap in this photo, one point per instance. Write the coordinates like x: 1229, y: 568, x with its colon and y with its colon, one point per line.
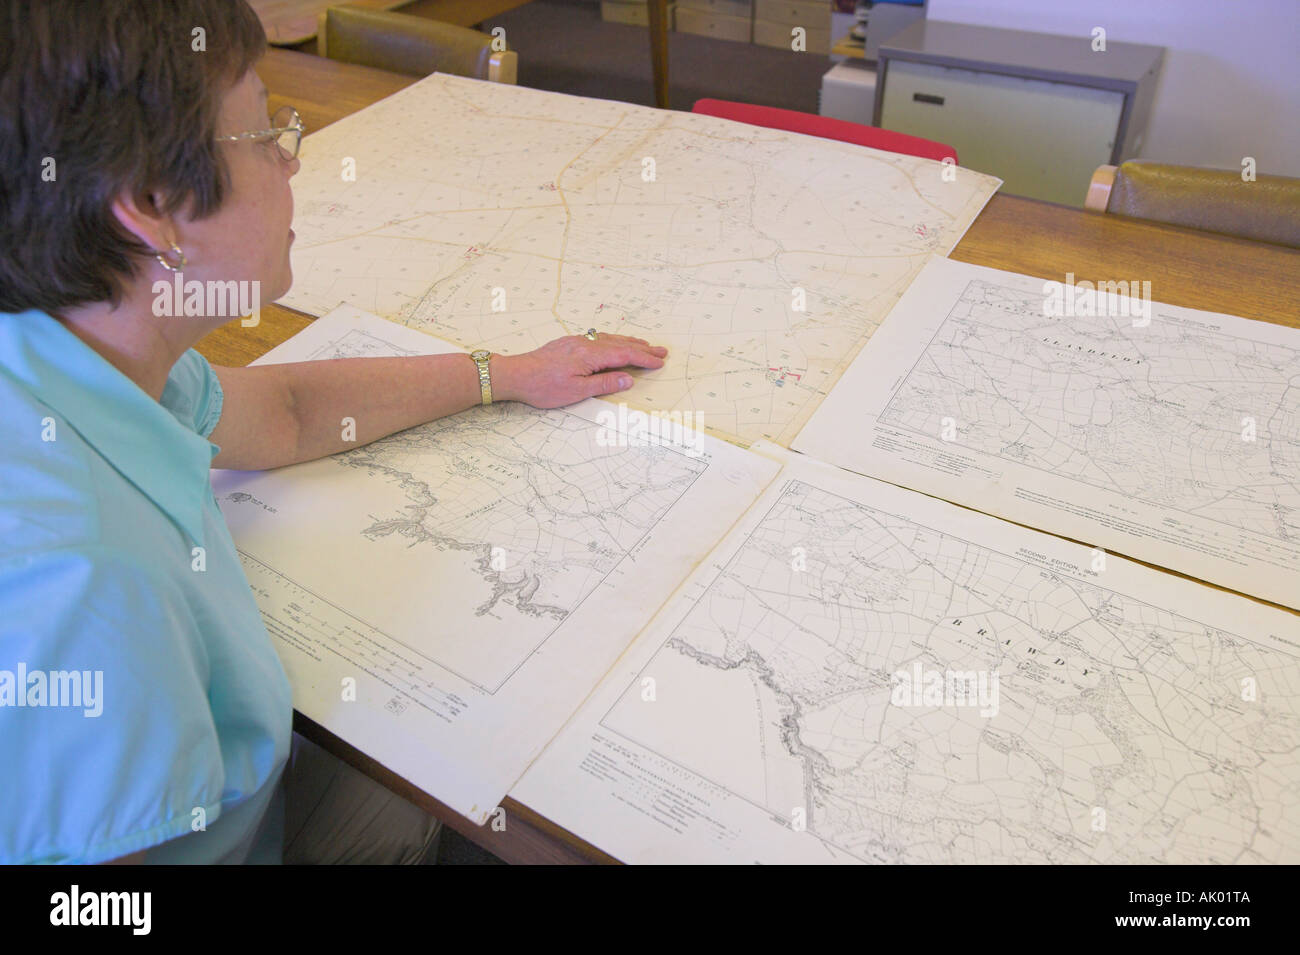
x: 484, y: 379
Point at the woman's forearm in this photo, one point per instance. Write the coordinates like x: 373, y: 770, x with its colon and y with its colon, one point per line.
x: 347, y: 402
x: 299, y: 411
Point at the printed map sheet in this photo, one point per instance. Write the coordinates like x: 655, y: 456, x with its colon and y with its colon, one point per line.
x: 474, y: 577
x: 1176, y: 442
x: 861, y: 673
x: 501, y: 217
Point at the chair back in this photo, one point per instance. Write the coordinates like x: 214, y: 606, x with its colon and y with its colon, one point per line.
x: 402, y: 43
x: 825, y: 127
x: 1266, y: 209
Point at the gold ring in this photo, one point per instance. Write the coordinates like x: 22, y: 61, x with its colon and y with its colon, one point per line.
x: 591, y: 334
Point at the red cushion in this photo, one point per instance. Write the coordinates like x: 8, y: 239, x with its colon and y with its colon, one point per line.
x: 825, y: 127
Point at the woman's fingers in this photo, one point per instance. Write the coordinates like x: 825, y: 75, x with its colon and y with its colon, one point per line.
x: 608, y: 383
x: 617, y: 356
x: 610, y: 337
x: 613, y: 336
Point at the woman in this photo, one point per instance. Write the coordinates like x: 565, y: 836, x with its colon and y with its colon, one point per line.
x: 143, y: 712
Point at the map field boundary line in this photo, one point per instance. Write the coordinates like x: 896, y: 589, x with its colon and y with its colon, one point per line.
x: 746, y: 543
x: 998, y: 457
x: 559, y: 623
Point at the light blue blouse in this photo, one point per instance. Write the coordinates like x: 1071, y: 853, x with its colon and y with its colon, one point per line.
x: 142, y: 705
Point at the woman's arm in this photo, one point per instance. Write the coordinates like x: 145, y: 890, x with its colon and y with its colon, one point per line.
x: 275, y: 415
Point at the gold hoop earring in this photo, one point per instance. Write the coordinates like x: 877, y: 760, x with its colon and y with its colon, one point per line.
x: 176, y: 250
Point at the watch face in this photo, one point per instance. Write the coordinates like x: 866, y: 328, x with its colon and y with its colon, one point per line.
x: 481, y: 355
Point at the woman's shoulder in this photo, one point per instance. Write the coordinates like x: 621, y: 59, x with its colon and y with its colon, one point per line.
x: 48, y: 494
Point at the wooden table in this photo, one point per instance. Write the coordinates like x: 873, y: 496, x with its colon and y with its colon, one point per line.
x: 293, y: 23
x: 1185, y: 267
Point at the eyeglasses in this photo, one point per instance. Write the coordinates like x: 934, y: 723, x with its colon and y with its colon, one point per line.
x: 286, y: 132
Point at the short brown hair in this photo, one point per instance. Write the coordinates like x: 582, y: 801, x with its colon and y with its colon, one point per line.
x: 117, y: 94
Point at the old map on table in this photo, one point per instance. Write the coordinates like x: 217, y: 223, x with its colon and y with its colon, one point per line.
x: 502, y: 217
x: 1168, y: 434
x: 861, y: 673
x: 473, y: 577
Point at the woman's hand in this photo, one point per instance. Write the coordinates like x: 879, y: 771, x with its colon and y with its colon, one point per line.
x: 571, y: 368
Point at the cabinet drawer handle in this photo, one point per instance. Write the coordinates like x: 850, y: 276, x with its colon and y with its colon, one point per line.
x: 928, y: 98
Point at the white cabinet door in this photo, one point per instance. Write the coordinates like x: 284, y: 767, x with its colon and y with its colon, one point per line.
x: 1042, y: 139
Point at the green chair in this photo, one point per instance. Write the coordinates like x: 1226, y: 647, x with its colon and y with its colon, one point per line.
x: 1266, y: 209
x: 412, y: 45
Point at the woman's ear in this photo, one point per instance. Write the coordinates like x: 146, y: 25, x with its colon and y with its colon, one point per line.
x: 145, y: 220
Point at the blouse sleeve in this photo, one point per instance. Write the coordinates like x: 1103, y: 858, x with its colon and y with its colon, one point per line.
x: 106, y: 739
x: 193, y: 393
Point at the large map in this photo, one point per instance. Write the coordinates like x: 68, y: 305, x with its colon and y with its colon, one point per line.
x: 443, y: 597
x: 860, y: 673
x: 520, y: 513
x: 1158, y: 413
x: 1174, y: 439
x: 503, y: 217
x: 357, y: 343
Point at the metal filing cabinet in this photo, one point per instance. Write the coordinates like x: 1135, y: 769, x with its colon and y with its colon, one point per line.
x: 1037, y: 110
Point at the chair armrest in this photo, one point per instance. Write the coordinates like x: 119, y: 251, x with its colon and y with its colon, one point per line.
x: 407, y: 44
x: 503, y: 67
x: 1103, y: 179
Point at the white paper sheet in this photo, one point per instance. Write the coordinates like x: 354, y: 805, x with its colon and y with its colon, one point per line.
x: 499, y: 216
x: 474, y: 576
x: 1176, y: 442
x: 769, y: 713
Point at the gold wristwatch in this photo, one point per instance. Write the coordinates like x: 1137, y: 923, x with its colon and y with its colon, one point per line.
x: 484, y: 378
